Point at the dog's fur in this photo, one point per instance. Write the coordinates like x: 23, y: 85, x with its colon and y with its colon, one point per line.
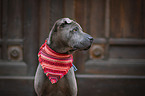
x: 66, y: 37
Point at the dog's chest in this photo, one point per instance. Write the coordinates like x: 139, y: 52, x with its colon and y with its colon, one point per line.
x: 66, y: 86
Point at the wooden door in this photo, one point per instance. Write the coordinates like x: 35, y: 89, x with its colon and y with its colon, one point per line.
x: 18, y: 46
x: 113, y: 66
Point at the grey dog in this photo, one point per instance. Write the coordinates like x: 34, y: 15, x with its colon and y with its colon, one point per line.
x: 66, y: 36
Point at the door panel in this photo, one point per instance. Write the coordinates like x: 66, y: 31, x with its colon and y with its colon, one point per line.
x: 130, y: 44
x: 126, y: 19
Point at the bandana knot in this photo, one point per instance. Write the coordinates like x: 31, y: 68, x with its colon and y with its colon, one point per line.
x: 55, y: 65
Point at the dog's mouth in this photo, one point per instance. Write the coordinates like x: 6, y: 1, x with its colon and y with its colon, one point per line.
x: 81, y: 47
x: 87, y: 48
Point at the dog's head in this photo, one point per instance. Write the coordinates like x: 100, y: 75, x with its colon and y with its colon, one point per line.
x: 69, y: 33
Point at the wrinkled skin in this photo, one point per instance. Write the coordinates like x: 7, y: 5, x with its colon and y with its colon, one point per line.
x: 66, y: 37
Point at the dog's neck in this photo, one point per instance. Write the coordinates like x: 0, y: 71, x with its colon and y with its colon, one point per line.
x: 60, y: 48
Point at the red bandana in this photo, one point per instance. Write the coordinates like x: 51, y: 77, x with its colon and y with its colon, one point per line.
x: 55, y: 65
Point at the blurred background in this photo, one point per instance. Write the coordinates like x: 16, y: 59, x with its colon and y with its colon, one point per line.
x: 113, y: 66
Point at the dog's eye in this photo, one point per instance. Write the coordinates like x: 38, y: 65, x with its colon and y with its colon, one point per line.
x: 75, y: 30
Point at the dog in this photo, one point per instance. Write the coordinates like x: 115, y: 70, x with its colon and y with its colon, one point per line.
x: 65, y: 37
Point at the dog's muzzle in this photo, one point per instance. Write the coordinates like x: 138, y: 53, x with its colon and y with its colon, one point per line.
x: 91, y: 41
x: 85, y: 44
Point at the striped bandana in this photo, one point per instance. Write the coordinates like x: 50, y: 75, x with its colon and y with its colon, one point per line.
x: 55, y: 65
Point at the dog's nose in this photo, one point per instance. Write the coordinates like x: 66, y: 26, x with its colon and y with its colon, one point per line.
x: 90, y: 38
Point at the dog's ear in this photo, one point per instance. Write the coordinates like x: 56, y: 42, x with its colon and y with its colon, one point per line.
x: 63, y: 24
x: 55, y: 27
x: 65, y: 21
